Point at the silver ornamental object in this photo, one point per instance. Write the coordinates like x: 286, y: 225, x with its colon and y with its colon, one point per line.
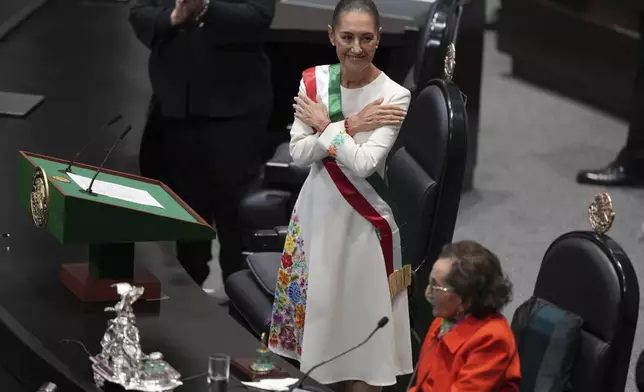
x: 122, y: 361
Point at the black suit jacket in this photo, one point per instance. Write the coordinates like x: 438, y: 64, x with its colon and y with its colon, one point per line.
x: 637, y: 5
x: 216, y: 68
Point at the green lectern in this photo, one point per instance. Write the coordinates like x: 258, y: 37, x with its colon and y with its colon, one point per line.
x: 121, y: 209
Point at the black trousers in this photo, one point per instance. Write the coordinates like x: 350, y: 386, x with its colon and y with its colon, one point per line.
x: 634, y: 149
x: 209, y: 163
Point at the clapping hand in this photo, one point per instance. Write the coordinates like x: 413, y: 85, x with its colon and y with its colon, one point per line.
x: 184, y: 9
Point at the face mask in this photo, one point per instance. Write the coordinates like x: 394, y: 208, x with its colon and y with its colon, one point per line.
x: 429, y: 299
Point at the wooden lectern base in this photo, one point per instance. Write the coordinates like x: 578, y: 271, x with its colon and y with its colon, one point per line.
x: 87, y: 288
x: 241, y: 368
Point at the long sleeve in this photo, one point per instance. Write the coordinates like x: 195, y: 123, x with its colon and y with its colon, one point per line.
x: 150, y: 21
x: 304, y: 146
x: 242, y: 15
x: 486, y: 366
x: 362, y: 159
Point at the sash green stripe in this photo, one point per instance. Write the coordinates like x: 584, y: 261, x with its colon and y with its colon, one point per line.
x: 377, y: 183
x: 335, y: 94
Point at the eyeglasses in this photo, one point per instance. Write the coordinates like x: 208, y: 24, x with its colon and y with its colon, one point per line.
x: 435, y: 287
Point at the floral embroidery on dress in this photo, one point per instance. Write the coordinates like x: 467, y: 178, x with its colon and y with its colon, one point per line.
x: 289, y: 306
x: 337, y: 141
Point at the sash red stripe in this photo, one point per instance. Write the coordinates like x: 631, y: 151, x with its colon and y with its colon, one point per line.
x: 351, y: 193
x: 311, y: 86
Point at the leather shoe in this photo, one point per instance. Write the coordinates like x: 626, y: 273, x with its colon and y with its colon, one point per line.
x: 615, y: 174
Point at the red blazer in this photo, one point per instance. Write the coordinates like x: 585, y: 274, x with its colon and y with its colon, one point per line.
x: 475, y: 356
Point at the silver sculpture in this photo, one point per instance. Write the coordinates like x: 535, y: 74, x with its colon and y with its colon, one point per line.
x: 122, y: 361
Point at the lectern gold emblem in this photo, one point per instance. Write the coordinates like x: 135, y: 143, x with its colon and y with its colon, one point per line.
x: 39, y: 197
x: 601, y: 213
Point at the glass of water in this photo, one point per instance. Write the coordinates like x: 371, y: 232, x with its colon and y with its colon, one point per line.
x: 219, y: 371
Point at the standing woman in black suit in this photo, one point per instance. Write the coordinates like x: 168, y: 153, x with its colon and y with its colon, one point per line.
x: 210, y: 107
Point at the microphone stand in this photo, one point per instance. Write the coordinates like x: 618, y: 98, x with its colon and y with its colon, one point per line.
x: 381, y: 323
x: 113, y: 121
x: 121, y: 137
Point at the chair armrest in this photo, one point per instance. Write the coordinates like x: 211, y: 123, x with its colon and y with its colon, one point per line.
x: 276, y: 173
x: 265, y: 208
x: 285, y: 174
x: 281, y: 231
x: 266, y: 240
x: 269, y: 240
x: 281, y: 171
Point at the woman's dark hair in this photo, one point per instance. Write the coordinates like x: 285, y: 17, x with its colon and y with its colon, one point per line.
x: 355, y: 5
x: 476, y: 275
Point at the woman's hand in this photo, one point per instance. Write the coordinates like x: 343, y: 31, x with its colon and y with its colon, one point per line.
x: 375, y: 115
x: 313, y: 114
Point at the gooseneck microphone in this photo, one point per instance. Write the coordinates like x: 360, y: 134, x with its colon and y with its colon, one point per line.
x: 108, y: 124
x: 381, y: 323
x: 121, y: 137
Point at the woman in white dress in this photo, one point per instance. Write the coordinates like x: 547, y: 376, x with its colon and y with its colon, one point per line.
x: 342, y: 267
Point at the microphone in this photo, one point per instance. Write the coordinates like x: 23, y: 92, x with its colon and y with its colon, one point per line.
x: 381, y: 323
x: 78, y: 154
x: 121, y: 137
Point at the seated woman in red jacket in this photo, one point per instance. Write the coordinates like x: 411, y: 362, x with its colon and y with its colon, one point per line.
x: 470, y: 346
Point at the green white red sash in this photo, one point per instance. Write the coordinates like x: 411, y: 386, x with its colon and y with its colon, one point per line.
x: 315, y: 81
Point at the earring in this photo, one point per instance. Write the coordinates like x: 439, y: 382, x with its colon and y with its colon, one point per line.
x: 333, y: 43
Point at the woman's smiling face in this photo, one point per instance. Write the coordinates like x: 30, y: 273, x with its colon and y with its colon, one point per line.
x: 355, y: 37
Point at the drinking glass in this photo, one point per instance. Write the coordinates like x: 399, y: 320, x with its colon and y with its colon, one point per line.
x: 219, y: 371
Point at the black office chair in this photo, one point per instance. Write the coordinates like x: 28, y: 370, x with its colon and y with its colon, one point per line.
x: 587, y: 276
x: 436, y: 41
x: 425, y: 175
x: 266, y: 209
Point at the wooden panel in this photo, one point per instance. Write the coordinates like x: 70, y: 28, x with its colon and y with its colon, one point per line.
x: 589, y: 55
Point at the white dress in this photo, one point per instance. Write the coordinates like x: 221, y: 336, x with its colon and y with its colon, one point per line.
x: 333, y: 283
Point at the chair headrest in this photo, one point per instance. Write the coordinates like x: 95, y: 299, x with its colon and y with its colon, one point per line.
x: 581, y: 274
x: 426, y: 130
x: 437, y: 33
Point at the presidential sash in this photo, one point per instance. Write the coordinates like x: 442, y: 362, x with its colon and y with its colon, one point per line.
x: 398, y: 272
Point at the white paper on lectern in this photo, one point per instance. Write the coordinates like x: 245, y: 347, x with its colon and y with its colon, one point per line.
x: 116, y: 191
x: 271, y: 384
